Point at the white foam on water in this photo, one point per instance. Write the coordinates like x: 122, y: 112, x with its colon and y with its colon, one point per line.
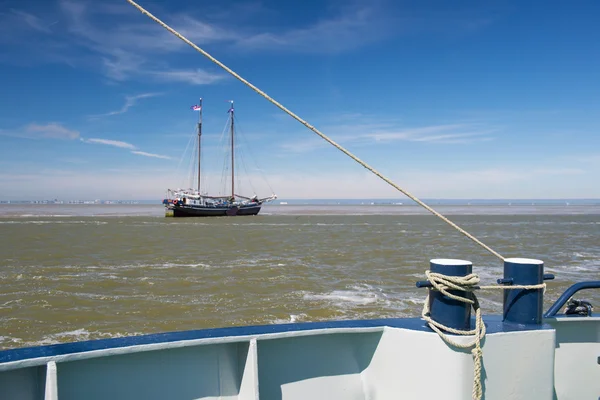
x: 355, y: 295
x: 574, y: 269
x: 41, y: 222
x: 74, y: 336
x: 344, y: 296
x: 5, y: 340
x: 12, y: 303
x: 40, y: 215
x: 292, y: 319
x: 412, y: 301
x: 177, y: 265
x: 78, y: 272
x: 584, y: 254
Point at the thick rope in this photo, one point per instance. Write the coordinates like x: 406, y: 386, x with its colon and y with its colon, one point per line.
x: 469, y: 284
x: 315, y: 130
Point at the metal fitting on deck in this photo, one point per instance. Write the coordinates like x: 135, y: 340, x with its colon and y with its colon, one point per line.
x: 449, y: 312
x: 523, y: 306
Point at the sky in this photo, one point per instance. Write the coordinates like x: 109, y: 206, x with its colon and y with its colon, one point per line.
x: 448, y: 99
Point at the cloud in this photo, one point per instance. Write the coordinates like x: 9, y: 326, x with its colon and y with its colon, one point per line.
x: 354, y: 24
x: 124, y: 145
x: 55, y: 130
x: 32, y: 21
x: 52, y: 130
x: 143, y: 153
x: 16, y: 24
x: 455, y: 138
x: 387, y: 132
x: 349, y: 30
x: 111, y: 38
x: 125, y: 45
x: 426, y: 133
x: 114, y: 143
x: 130, y: 101
x: 194, y: 77
x: 128, y: 50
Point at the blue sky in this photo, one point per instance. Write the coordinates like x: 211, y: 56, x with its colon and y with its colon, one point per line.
x: 449, y: 99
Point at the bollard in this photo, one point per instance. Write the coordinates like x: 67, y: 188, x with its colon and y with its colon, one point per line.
x: 451, y: 313
x: 523, y: 306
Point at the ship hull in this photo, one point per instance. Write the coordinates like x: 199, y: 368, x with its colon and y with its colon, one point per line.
x: 200, y: 211
x: 393, y: 358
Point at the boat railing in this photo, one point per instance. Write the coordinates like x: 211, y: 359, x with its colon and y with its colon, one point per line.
x: 568, y: 294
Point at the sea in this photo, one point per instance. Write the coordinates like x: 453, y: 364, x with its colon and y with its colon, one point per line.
x: 72, y: 272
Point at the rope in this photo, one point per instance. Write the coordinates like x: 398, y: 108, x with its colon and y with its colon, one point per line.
x: 315, y: 130
x: 469, y: 284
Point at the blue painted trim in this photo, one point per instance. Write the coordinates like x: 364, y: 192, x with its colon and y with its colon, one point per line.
x: 494, y: 324
x: 568, y: 294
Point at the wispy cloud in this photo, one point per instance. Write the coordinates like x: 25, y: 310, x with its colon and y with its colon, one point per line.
x: 349, y: 30
x: 125, y: 145
x: 385, y: 133
x: 130, y: 49
x: 108, y: 142
x: 51, y: 130
x: 16, y: 24
x: 32, y: 21
x: 130, y: 101
x: 110, y: 38
x: 356, y: 24
x: 454, y: 133
x: 143, y: 153
x: 194, y: 77
x: 54, y: 130
x: 125, y: 45
x: 456, y: 138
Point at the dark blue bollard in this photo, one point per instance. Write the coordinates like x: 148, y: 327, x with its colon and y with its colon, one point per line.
x: 523, y: 306
x: 451, y: 313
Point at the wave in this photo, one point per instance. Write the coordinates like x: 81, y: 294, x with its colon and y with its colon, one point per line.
x: 42, y: 222
x: 62, y: 337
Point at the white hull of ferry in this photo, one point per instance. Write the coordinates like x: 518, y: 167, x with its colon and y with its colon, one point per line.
x: 358, y: 360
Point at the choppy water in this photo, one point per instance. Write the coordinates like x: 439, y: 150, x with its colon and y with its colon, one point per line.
x: 80, y: 272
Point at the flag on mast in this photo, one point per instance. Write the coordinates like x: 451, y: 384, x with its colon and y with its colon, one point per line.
x: 196, y: 107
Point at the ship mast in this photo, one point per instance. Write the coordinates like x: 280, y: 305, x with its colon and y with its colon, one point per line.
x: 232, y: 155
x: 199, y: 143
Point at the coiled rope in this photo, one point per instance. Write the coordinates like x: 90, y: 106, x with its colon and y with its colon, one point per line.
x: 468, y: 283
x: 315, y: 130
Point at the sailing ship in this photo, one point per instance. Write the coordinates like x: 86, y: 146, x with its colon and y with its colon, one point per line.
x: 195, y: 203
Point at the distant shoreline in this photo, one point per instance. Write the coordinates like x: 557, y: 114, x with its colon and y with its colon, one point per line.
x: 340, y: 202
x: 25, y: 210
